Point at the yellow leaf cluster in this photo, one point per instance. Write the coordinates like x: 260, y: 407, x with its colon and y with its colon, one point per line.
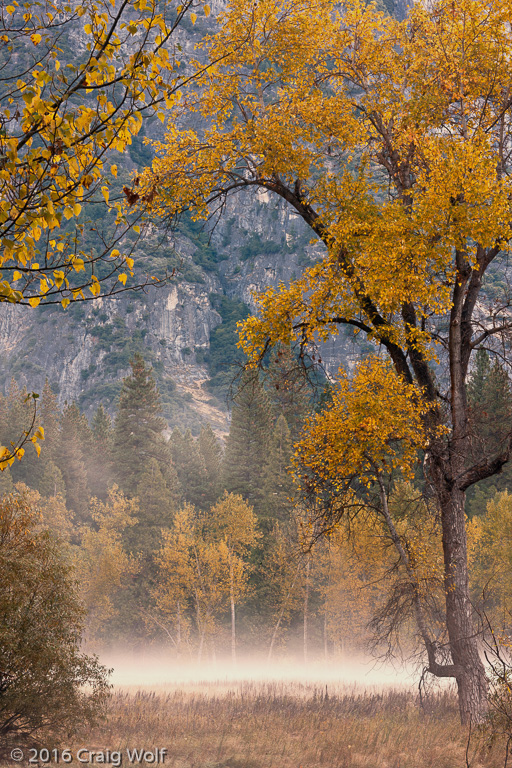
x: 373, y: 424
x: 57, y: 124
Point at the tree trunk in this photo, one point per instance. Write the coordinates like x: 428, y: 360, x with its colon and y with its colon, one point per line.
x: 233, y: 631
x: 306, y: 606
x: 233, y: 624
x: 465, y: 664
x: 470, y: 672
x: 178, y: 629
x: 281, y: 614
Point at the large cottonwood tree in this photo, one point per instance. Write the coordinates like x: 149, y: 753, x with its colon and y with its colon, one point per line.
x: 392, y: 141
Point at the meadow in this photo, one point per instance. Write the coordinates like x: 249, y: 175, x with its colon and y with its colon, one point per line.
x: 289, y: 723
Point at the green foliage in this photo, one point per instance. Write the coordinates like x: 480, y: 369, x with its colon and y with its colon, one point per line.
x: 50, y: 419
x: 190, y: 467
x: 52, y: 481
x: 292, y: 388
x: 278, y: 485
x: 100, y: 468
x: 211, y: 453
x: 224, y: 357
x: 490, y: 416
x: 247, y: 443
x: 158, y: 502
x: 138, y: 428
x: 72, y: 455
x: 42, y: 672
x: 255, y: 246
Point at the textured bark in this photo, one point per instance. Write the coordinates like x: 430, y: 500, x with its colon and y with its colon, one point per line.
x: 469, y: 669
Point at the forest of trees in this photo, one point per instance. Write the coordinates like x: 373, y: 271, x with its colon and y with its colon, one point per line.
x: 205, y: 546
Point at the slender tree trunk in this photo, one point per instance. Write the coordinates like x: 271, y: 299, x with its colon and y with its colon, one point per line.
x: 233, y: 623
x: 327, y: 592
x: 200, y: 628
x: 281, y: 614
x: 178, y: 629
x: 306, y: 606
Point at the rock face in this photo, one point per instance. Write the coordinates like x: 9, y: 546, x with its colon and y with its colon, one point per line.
x: 84, y: 351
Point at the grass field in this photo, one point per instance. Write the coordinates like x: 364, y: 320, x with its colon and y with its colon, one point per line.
x: 290, y: 724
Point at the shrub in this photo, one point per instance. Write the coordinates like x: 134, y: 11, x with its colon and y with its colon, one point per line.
x: 47, y: 686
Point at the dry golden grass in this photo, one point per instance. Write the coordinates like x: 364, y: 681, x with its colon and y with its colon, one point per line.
x: 287, y: 725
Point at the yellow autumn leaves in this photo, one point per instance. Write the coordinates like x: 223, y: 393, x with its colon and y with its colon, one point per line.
x: 373, y: 425
x: 387, y: 137
x: 61, y: 117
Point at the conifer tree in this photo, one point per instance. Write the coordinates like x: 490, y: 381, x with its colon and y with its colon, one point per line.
x: 138, y: 428
x: 99, y: 465
x: 289, y: 389
x: 477, y: 395
x: 50, y: 419
x: 51, y: 482
x: 278, y: 485
x: 490, y: 401
x: 190, y: 466
x: 71, y: 460
x: 247, y: 443
x: 156, y: 508
x: 211, y: 453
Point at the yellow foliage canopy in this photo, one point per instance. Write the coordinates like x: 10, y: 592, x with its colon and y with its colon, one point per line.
x: 372, y: 424
x: 384, y: 136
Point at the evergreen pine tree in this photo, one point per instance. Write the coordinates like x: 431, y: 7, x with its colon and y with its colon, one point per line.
x: 211, y: 453
x: 289, y: 390
x: 71, y: 461
x: 477, y: 390
x: 247, y: 442
x: 190, y: 467
x: 278, y: 485
x: 99, y: 465
x: 50, y: 419
x: 156, y: 509
x: 138, y: 428
x: 490, y: 400
x: 52, y: 481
